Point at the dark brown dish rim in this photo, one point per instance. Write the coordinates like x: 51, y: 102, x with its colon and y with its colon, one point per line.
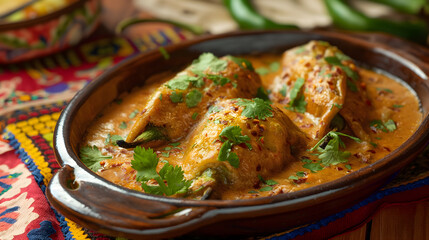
x: 100, y: 205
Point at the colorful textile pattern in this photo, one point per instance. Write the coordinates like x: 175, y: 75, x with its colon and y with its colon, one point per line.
x: 32, y: 95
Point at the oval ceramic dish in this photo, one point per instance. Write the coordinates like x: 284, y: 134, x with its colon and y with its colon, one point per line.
x: 49, y: 33
x: 98, y: 204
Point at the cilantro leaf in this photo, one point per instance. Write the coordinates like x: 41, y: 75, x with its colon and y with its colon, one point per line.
x: 295, y: 90
x: 397, y: 106
x: 262, y: 71
x: 266, y: 189
x: 133, y: 114
x: 274, y: 66
x: 271, y: 182
x: 243, y: 63
x: 91, y: 157
x: 233, y: 133
x: 331, y: 153
x: 193, y: 98
x: 112, y: 139
x: 225, y: 154
x: 123, y: 125
x: 214, y: 109
x: 176, y: 97
x: 145, y: 162
x: 300, y: 105
x: 206, y: 61
x: 255, y: 108
x: 390, y: 125
x: 313, y: 167
x: 194, y: 115
x: 218, y: 79
x: 181, y: 82
x: 334, y: 60
x: 283, y: 91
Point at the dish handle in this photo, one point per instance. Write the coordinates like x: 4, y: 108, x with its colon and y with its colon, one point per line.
x: 85, y: 201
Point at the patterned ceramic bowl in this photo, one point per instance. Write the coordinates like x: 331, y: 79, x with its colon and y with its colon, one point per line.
x: 48, y: 33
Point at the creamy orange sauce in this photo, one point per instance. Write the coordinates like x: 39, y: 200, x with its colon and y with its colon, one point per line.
x: 395, y: 102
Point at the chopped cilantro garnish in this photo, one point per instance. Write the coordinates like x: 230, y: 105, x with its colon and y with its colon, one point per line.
x: 164, y: 53
x: 348, y: 166
x: 262, y: 94
x: 174, y: 144
x: 133, y: 114
x: 297, y: 103
x: 166, y: 154
x: 218, y: 79
x: 384, y: 90
x: 271, y: 182
x: 160, y: 97
x: 182, y: 82
x: 170, y: 179
x: 91, y: 157
x: 123, y: 125
x: 300, y: 105
x: 295, y: 90
x: 243, y: 63
x: 283, y: 91
x: 293, y: 177
x: 334, y: 60
x: 306, y: 160
x: 208, y: 61
x: 214, y: 109
x: 253, y: 191
x: 112, y: 139
x: 217, y: 121
x: 313, y: 167
x: 300, y: 174
x: 194, y: 115
x: 331, y: 153
x: 274, y: 67
x: 255, y: 108
x: 397, y: 106
x: 266, y: 188
x: 193, y: 98
x: 374, y: 144
x: 225, y: 154
x: 176, y: 98
x: 233, y: 136
x: 262, y: 71
x: 167, y: 148
x: 390, y: 125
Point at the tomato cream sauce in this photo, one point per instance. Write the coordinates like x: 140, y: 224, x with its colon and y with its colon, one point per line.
x: 388, y: 99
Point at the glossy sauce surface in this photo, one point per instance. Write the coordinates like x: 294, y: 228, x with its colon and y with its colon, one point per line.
x: 389, y: 99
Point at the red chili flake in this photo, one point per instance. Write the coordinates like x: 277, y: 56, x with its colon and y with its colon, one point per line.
x: 254, y: 133
x: 261, y: 129
x: 234, y: 108
x: 224, y: 122
x: 339, y: 168
x: 258, y: 168
x: 248, y: 125
x: 387, y: 149
x: 256, y: 121
x: 243, y: 145
x: 368, y: 102
x: 371, y: 151
x: 257, y: 185
x: 209, y: 94
x: 259, y: 147
x: 262, y: 140
x: 300, y: 180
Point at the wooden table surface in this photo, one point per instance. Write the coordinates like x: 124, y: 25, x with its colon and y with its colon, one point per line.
x: 395, y: 222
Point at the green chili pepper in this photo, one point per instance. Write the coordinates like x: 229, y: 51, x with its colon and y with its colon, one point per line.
x: 405, y: 6
x: 248, y: 18
x: 349, y: 18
